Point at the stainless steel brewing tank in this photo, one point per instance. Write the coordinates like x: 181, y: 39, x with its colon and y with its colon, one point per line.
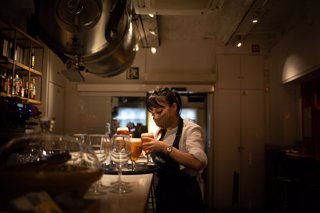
x: 94, y: 34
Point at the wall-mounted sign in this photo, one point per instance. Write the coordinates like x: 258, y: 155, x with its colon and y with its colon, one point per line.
x: 133, y: 73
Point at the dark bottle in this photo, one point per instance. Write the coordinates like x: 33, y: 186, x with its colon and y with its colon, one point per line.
x: 13, y: 52
x: 3, y: 80
x: 26, y: 90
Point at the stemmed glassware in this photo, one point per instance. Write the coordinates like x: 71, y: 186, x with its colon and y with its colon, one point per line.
x: 147, y: 137
x: 100, y: 145
x: 80, y: 137
x: 76, y: 151
x: 120, y: 154
x: 60, y: 160
x: 136, y: 150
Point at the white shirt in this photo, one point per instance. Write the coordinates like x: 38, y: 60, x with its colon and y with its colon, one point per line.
x: 192, y: 141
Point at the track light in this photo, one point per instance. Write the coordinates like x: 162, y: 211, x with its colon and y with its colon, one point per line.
x: 254, y: 19
x: 239, y: 44
x: 237, y: 41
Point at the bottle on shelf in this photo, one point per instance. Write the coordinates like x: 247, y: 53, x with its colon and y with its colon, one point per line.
x: 26, y: 89
x: 5, y: 85
x: 19, y: 87
x: 32, y: 89
x: 16, y: 85
x: 13, y: 51
x: 8, y: 85
x: 22, y: 91
x: 3, y: 80
x: 33, y: 59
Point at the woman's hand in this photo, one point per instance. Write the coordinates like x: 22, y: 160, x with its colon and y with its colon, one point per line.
x: 154, y: 145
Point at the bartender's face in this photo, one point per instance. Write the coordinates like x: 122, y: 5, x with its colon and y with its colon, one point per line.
x: 164, y: 116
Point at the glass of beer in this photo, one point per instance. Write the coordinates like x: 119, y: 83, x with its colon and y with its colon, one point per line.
x: 123, y: 131
x: 136, y: 149
x: 147, y: 137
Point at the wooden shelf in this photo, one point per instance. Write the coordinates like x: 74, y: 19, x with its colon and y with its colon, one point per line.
x: 33, y: 101
x: 15, y: 39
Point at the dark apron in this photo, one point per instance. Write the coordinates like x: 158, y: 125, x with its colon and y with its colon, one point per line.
x: 176, y: 191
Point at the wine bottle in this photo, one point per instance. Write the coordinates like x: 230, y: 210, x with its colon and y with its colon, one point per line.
x: 33, y: 60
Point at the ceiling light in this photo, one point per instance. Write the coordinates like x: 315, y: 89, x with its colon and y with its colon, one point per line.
x: 153, y: 50
x: 151, y: 15
x: 254, y: 20
x: 238, y: 41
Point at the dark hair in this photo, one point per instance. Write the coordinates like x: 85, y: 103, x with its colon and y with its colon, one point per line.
x: 155, y: 98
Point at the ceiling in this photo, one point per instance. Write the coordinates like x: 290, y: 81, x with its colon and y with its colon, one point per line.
x: 218, y: 20
x: 226, y: 20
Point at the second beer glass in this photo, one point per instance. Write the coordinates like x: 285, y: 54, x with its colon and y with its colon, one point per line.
x: 136, y: 149
x: 147, y: 137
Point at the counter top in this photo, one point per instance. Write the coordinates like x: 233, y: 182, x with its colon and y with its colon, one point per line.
x: 135, y: 201
x: 315, y: 156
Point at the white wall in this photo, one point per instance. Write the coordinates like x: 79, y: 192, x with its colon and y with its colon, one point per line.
x: 297, y: 54
x: 176, y: 63
x: 53, y: 91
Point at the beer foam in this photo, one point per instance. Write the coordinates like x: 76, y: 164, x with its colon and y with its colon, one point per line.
x: 147, y: 134
x: 123, y: 130
x: 135, y: 140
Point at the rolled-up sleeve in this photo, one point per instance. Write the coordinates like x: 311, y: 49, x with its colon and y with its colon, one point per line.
x: 194, y: 142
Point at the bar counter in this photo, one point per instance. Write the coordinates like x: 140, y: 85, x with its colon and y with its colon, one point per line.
x: 135, y: 201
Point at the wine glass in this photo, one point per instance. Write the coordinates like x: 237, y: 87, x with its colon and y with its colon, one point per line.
x: 80, y: 137
x: 50, y: 162
x: 120, y: 154
x: 136, y: 149
x: 100, y: 145
x: 75, y: 149
x: 147, y: 137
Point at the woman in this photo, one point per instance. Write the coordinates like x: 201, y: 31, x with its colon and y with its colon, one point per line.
x: 179, y: 152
